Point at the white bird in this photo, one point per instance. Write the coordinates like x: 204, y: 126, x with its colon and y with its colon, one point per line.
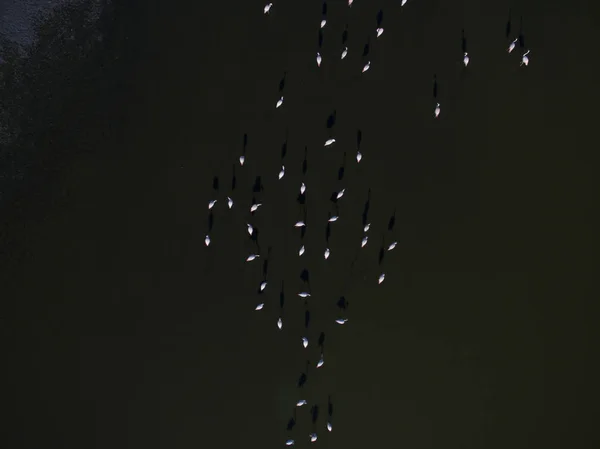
x: 512, y: 45
x: 366, y: 67
x: 319, y: 59
x: 301, y: 402
x: 364, y: 241
x: 350, y: 2
x: 332, y: 219
x: 379, y: 31
x: 242, y: 160
x: 207, y: 240
x: 403, y: 2
x: 229, y: 202
x: 279, y: 323
x: 282, y: 172
x: 525, y: 58
x: 260, y: 306
x: 279, y: 102
x: 466, y: 59
x: 263, y: 285
x: 290, y: 442
x: 323, y: 23
x: 392, y: 246
x: 304, y: 294
x: 267, y: 8
x: 321, y: 362
x: 329, y: 142
x: 302, y: 188
x: 341, y: 320
x: 367, y: 227
x: 329, y: 426
x: 250, y: 228
x: 299, y: 224
x: 358, y: 156
x: 340, y: 194
x: 251, y: 257
x: 344, y: 52
x: 381, y: 278
x: 304, y: 342
x: 327, y: 253
x: 211, y: 204
x: 255, y: 207
x: 436, y: 112
x: 313, y: 437
x: 301, y: 250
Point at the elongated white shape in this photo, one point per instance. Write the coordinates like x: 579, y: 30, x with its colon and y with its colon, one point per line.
x: 305, y: 342
x: 367, y: 227
x: 466, y: 59
x: 302, y: 188
x: 512, y: 45
x: 242, y: 160
x: 381, y: 278
x: 340, y: 194
x: 279, y: 102
x: 327, y: 253
x: 279, y: 323
x: 260, y: 306
x: 301, y: 402
x: 304, y: 294
x: 364, y: 241
x: 290, y: 442
x: 525, y: 58
x: 321, y: 362
x: 251, y: 257
x: 403, y: 2
x: 282, y: 172
x: 267, y: 8
x: 211, y: 204
x: 358, y: 156
x: 366, y: 67
x: 323, y: 23
x: 313, y: 437
x: 329, y: 426
x: 250, y: 228
x: 255, y: 207
x: 437, y: 110
x: 207, y: 240
x: 341, y: 320
x: 379, y: 31
x: 332, y: 219
x: 329, y: 142
x: 392, y: 246
x: 319, y: 59
x: 350, y: 2
x: 299, y: 224
x: 301, y: 251
x: 263, y: 285
x: 229, y: 202
x: 344, y: 52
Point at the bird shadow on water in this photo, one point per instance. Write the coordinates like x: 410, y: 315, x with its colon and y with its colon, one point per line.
x: 306, y: 316
x: 258, y: 185
x: 305, y: 161
x: 303, y: 376
x: 379, y: 18
x: 342, y: 168
x: 358, y: 138
x: 233, y: 178
x: 331, y: 119
x: 282, y: 82
x: 365, y: 214
x: 216, y: 183
x: 392, y: 221
x: 281, y: 296
x: 345, y: 35
x: 508, y: 28
x: 342, y: 303
x: 320, y: 39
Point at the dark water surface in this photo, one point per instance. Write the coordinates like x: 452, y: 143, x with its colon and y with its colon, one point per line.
x: 123, y: 330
